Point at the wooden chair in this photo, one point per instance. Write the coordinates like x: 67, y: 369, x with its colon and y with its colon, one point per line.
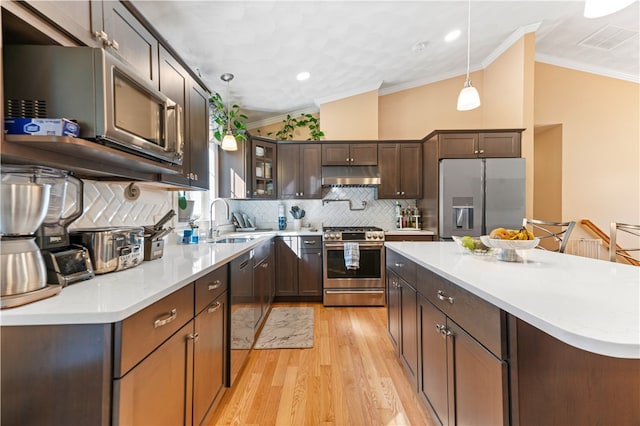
x: 615, y: 249
x: 551, y: 231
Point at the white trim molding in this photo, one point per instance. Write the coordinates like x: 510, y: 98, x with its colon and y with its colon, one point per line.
x: 352, y: 92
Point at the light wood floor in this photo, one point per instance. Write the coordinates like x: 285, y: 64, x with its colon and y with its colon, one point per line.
x: 351, y: 376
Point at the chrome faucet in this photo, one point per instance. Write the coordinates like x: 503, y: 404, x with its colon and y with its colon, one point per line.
x: 213, y: 231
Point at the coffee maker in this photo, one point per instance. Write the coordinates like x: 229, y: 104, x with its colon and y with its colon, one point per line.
x: 66, y: 263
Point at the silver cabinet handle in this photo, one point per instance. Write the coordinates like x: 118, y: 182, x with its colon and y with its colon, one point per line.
x: 172, y: 316
x: 265, y: 265
x: 214, y: 307
x: 442, y: 329
x: 399, y: 265
x: 482, y: 151
x: 347, y: 159
x: 475, y: 152
x: 443, y: 296
x: 308, y: 241
x: 216, y: 284
x: 101, y: 35
x: 193, y: 336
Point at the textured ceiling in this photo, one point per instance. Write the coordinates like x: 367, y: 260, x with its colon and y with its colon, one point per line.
x: 350, y: 47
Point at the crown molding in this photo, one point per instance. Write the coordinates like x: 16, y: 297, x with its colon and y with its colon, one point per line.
x: 508, y: 42
x: 279, y: 118
x: 348, y: 93
x: 574, y: 65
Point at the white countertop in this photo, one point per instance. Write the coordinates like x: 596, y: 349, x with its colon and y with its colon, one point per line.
x: 590, y: 304
x: 114, y: 296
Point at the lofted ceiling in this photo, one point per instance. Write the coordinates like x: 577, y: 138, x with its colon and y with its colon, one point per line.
x: 351, y: 47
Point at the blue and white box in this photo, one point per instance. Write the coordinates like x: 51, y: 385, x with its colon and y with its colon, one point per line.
x: 41, y: 126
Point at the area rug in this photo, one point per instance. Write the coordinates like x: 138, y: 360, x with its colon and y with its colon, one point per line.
x: 287, y: 328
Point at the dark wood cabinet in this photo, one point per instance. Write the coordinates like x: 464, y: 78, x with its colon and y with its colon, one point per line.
x: 400, y: 167
x: 299, y: 171
x: 479, y: 144
x: 264, y: 278
x: 263, y: 160
x: 123, y: 34
x: 345, y: 154
x: 249, y: 172
x: 75, y: 17
x: 402, y: 302
x: 299, y: 271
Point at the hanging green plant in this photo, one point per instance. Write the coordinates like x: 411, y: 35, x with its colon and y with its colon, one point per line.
x: 290, y: 124
x: 220, y: 116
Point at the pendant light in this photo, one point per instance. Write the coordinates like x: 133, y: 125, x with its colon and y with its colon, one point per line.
x: 229, y: 142
x: 469, y: 98
x: 598, y: 8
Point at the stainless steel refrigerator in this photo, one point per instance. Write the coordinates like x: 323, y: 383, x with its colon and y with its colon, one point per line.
x: 477, y: 195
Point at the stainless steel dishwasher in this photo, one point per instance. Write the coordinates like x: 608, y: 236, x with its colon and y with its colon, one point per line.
x: 243, y: 314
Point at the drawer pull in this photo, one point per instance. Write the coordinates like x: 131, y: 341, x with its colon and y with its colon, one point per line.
x: 214, y: 307
x: 172, y: 316
x: 309, y: 242
x: 216, y: 284
x: 399, y: 265
x: 442, y: 296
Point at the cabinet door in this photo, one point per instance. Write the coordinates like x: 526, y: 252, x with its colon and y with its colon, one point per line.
x: 458, y: 145
x: 310, y: 272
x: 209, y: 356
x: 73, y: 16
x: 432, y: 378
x: 410, y: 170
x: 479, y: 382
x: 198, y: 139
x: 288, y: 170
x: 393, y: 308
x: 497, y: 145
x: 161, y: 377
x: 263, y: 162
x: 130, y: 39
x: 388, y: 163
x: 174, y: 82
x: 336, y: 154
x: 409, y: 330
x: 310, y: 171
x: 364, y: 154
x: 287, y: 270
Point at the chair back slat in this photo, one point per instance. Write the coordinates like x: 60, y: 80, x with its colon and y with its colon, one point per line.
x: 616, y: 250
x: 553, y: 231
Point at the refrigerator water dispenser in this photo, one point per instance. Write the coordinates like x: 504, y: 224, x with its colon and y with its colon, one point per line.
x: 462, y: 212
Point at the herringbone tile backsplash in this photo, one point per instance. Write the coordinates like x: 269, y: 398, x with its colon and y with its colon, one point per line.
x: 105, y: 204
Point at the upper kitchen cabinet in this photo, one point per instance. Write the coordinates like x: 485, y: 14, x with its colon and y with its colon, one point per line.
x: 345, y: 154
x: 74, y: 17
x: 400, y: 166
x: 479, y: 143
x: 121, y: 32
x: 300, y: 170
x: 176, y: 83
x: 248, y: 172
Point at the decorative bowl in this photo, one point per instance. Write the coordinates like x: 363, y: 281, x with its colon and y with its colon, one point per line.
x: 507, y: 248
x: 483, y: 251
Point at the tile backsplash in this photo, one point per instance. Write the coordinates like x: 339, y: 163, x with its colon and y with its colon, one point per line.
x: 105, y: 204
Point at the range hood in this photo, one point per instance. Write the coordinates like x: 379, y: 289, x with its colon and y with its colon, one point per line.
x: 350, y: 176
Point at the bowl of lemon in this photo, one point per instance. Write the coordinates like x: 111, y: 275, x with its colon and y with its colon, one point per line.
x: 472, y: 245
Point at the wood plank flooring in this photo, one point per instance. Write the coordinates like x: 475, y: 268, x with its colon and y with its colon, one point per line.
x: 351, y: 376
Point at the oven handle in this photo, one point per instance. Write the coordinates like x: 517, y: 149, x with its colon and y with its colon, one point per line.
x: 354, y: 291
x: 362, y: 245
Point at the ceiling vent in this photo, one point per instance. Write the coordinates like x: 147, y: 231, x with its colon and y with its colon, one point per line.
x: 608, y: 38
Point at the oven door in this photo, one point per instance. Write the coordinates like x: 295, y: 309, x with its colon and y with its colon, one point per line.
x: 370, y: 274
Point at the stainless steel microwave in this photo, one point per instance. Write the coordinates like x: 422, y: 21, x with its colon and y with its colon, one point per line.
x: 111, y: 102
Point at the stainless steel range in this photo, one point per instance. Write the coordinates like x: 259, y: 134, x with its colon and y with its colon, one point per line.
x: 356, y: 279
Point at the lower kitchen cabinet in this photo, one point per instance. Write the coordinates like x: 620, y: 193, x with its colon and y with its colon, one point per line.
x: 299, y: 268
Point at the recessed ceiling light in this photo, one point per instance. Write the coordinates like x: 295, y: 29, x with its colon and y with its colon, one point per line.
x: 452, y: 35
x: 419, y: 46
x: 302, y: 76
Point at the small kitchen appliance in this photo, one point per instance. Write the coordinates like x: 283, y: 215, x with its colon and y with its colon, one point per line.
x: 23, y: 275
x: 348, y: 286
x: 65, y: 263
x: 113, y: 248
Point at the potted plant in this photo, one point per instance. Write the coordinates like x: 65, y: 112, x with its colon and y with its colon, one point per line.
x: 221, y: 116
x: 290, y: 124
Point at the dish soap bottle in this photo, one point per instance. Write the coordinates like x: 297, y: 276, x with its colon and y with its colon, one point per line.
x: 282, y: 219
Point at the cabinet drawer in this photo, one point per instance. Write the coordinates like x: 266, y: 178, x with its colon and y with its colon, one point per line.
x: 405, y: 268
x: 210, y: 286
x: 484, y: 321
x: 141, y: 333
x: 310, y: 242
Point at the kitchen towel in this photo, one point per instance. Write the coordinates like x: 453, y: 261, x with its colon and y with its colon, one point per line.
x: 352, y: 255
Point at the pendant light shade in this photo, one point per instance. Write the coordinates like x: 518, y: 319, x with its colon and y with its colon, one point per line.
x: 598, y: 8
x: 468, y: 98
x: 229, y: 142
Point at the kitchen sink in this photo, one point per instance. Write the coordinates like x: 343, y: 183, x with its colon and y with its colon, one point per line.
x: 233, y: 240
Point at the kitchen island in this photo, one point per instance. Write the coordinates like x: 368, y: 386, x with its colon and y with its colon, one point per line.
x: 561, y: 332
